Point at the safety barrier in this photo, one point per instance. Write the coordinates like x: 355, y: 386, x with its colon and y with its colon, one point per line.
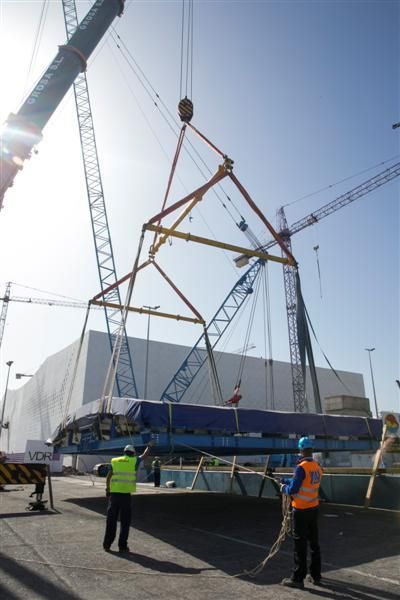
x: 17, y: 473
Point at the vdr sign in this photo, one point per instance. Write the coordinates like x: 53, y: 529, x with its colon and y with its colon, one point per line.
x: 37, y: 452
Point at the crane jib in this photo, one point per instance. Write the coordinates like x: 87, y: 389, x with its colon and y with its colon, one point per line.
x: 24, y: 129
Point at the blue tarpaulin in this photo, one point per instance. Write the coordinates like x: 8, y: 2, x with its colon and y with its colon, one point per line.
x: 158, y: 416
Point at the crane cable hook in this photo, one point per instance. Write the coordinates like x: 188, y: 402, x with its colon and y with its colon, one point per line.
x: 185, y: 106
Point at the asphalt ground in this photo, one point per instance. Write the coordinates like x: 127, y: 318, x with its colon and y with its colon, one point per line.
x: 185, y: 545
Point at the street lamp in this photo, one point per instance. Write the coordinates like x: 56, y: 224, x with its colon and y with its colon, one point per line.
x: 20, y: 375
x: 369, y: 350
x: 2, y: 426
x: 146, y: 370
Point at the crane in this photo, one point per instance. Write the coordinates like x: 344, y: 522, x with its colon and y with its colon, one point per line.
x: 286, y: 233
x: 197, y: 356
x: 7, y: 298
x: 125, y: 377
x: 23, y: 130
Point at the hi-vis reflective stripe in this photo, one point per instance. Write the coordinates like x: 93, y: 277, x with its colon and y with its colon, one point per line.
x: 123, y: 479
x: 11, y: 473
x: 306, y: 498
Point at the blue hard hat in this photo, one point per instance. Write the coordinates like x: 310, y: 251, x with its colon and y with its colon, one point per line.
x: 305, y: 443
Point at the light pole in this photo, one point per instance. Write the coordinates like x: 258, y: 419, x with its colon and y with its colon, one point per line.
x: 369, y: 350
x: 2, y: 426
x: 20, y: 375
x: 146, y: 370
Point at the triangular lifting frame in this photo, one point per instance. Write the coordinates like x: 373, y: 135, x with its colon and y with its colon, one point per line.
x: 161, y: 235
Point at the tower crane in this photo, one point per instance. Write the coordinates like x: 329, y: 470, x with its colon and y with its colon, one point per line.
x: 197, y: 356
x: 7, y: 298
x: 286, y: 233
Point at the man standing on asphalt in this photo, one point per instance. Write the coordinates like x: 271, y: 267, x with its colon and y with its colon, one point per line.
x: 303, y: 488
x: 120, y: 484
x: 156, y: 466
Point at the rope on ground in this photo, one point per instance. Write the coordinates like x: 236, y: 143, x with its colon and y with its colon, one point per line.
x: 276, y: 546
x: 286, y: 518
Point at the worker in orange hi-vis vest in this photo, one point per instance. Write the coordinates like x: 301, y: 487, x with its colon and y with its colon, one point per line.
x: 303, y: 488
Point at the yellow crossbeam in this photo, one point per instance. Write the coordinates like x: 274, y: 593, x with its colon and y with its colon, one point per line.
x: 148, y: 312
x: 189, y: 237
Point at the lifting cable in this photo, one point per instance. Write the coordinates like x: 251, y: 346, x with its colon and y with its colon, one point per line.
x: 267, y: 327
x: 332, y: 185
x: 316, y: 248
x: 114, y: 360
x: 73, y: 379
x: 37, y: 42
x: 248, y: 332
x: 187, y: 56
x: 215, y: 383
x: 323, y: 353
x: 201, y: 384
x: 158, y: 103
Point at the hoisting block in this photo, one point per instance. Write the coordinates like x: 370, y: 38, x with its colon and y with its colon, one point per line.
x: 185, y: 110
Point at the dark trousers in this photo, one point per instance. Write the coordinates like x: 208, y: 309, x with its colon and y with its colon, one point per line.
x: 118, y: 505
x: 157, y: 477
x: 304, y: 531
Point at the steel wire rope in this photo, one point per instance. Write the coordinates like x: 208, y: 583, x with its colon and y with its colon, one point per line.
x: 323, y: 353
x: 122, y: 46
x: 37, y: 42
x: 167, y: 157
x: 75, y: 371
x: 114, y: 360
x: 268, y: 323
x: 215, y: 383
x: 45, y: 292
x: 185, y: 148
x: 182, y: 38
x: 188, y: 46
x: 203, y: 380
x: 332, y: 185
x: 248, y: 332
x: 187, y: 58
x: 191, y: 51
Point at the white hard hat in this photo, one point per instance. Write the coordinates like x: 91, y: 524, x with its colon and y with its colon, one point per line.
x: 130, y: 448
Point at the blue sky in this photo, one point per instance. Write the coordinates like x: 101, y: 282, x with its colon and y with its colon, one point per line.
x: 300, y: 94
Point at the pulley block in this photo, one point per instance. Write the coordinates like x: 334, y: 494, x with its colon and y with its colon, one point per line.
x: 185, y: 110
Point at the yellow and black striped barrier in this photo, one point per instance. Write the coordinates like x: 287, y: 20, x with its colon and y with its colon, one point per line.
x: 14, y: 473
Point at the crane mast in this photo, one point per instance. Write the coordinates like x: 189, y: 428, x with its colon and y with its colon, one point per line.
x: 24, y: 129
x: 4, y: 309
x: 125, y: 378
x: 289, y: 280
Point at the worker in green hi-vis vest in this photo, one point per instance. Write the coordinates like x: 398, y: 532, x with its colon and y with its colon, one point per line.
x: 120, y: 484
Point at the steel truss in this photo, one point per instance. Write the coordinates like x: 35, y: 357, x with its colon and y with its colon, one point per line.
x: 125, y: 379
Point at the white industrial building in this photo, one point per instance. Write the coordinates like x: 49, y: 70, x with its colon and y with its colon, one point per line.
x: 36, y: 409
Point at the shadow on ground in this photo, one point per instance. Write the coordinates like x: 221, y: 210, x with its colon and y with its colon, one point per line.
x: 234, y: 534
